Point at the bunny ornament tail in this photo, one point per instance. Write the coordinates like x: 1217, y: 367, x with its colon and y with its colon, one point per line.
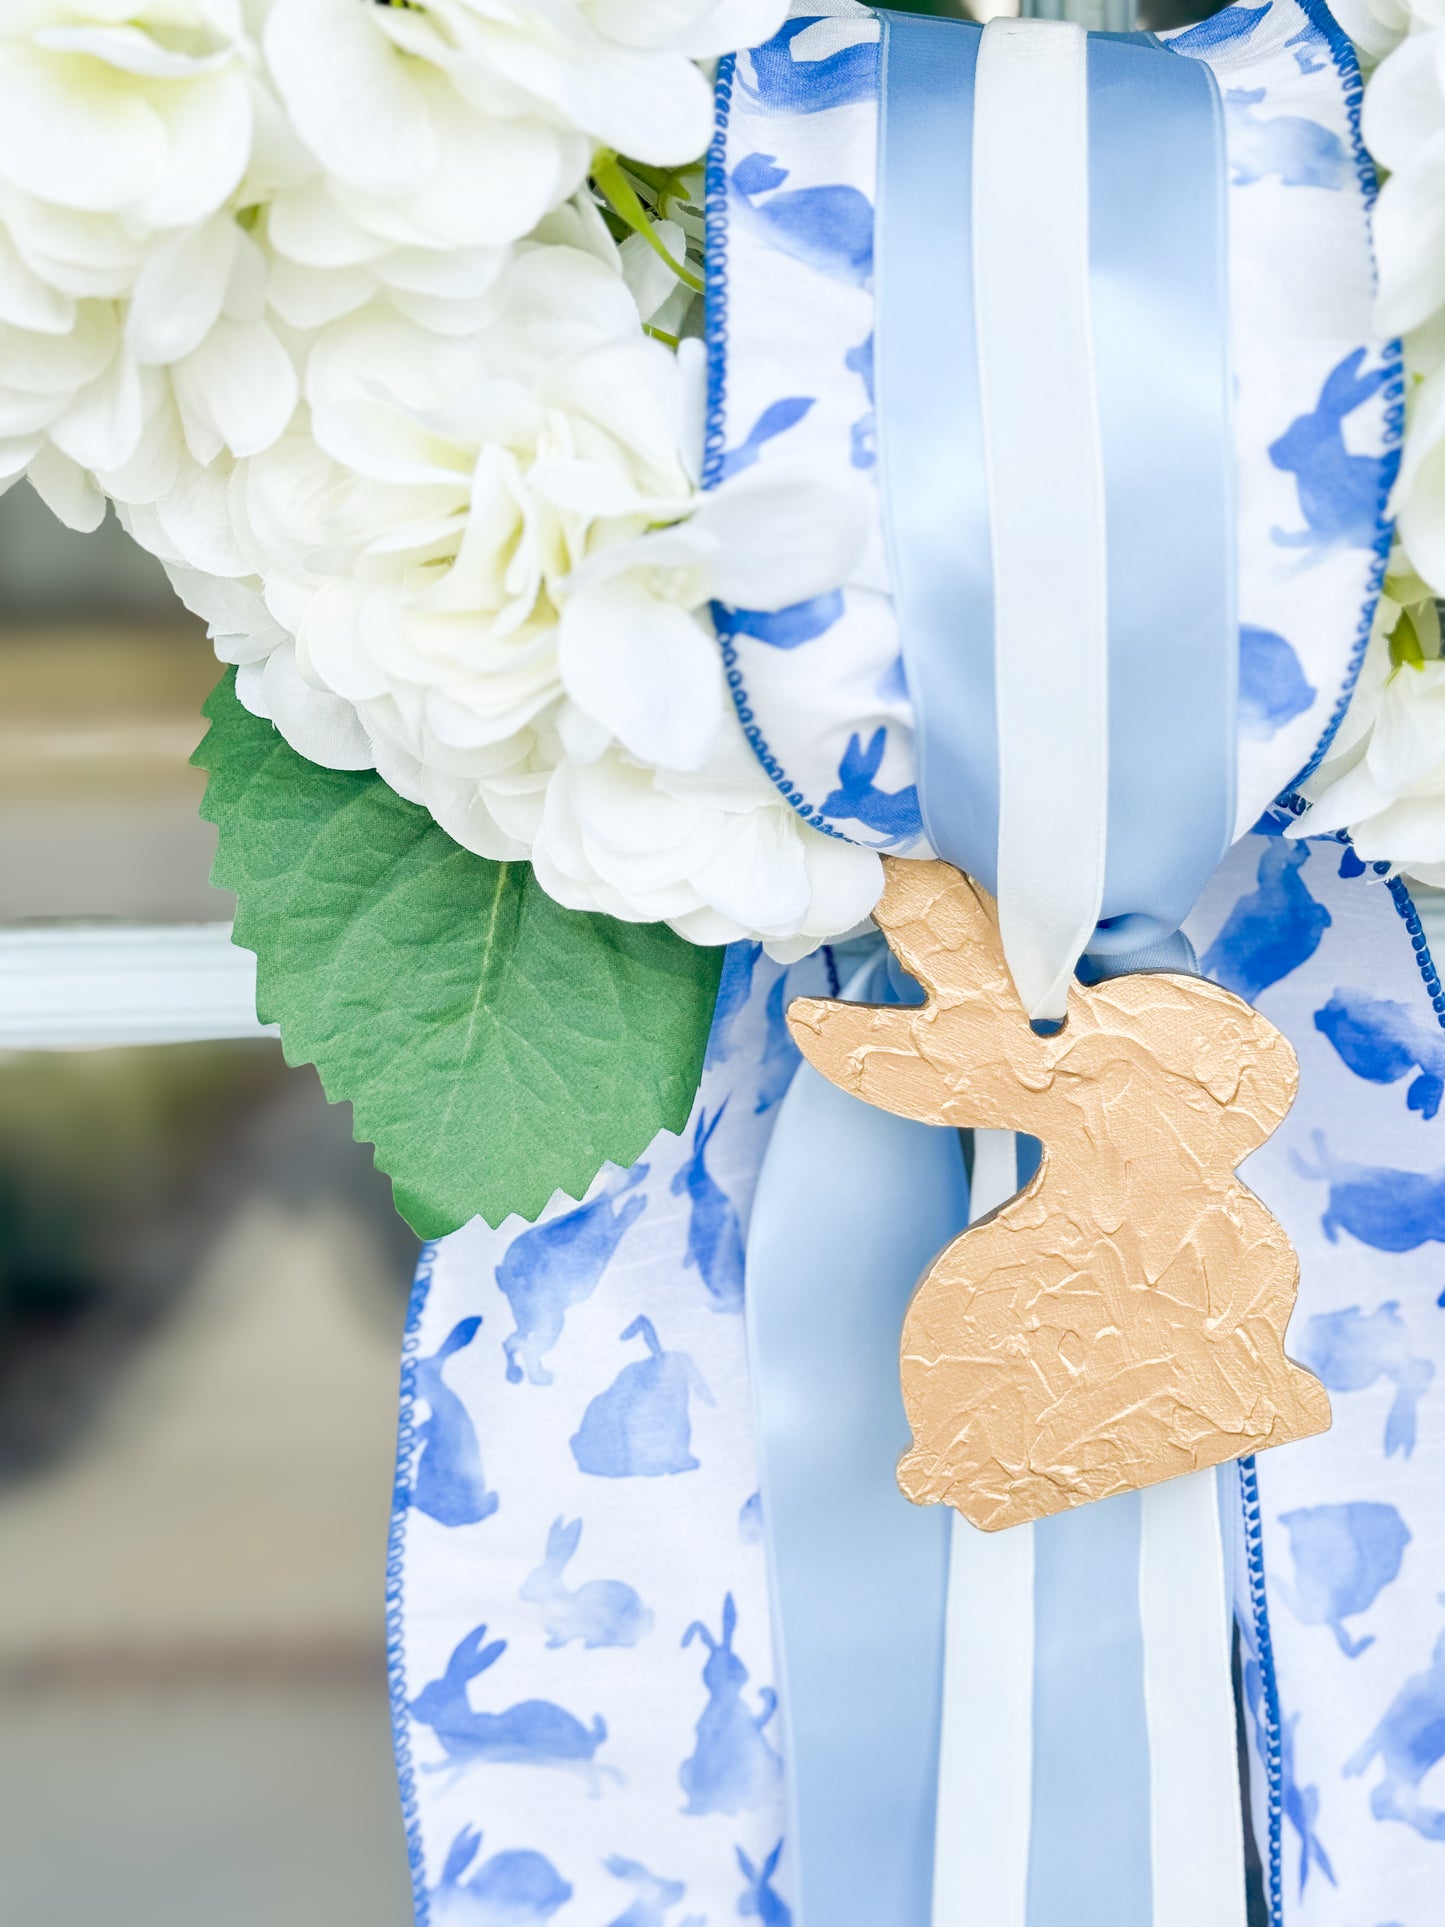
x: 1122, y: 1320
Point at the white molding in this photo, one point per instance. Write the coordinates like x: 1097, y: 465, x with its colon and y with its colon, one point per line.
x: 79, y: 986
x: 92, y: 986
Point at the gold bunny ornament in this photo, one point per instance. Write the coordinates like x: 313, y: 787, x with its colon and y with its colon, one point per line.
x: 1122, y: 1320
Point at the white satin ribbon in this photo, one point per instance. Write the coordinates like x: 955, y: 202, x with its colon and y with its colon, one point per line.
x: 985, y: 1761
x: 1196, y: 1820
x: 1046, y: 493
x: 1032, y: 314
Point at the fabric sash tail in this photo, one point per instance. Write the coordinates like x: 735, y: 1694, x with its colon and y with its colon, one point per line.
x: 1056, y: 467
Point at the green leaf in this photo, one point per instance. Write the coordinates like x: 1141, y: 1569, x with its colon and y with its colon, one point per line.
x: 495, y: 1047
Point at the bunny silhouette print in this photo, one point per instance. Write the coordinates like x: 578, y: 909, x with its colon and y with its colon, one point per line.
x: 758, y: 1896
x: 449, y: 1485
x: 556, y: 1265
x: 1388, y: 1209
x: 732, y: 1767
x: 1344, y: 1557
x: 714, y: 1232
x: 1273, y: 929
x: 604, y: 1612
x: 641, y: 1427
x: 1409, y: 1742
x: 532, y: 1733
x: 1341, y: 495
x: 655, y: 1898
x: 891, y: 814
x: 1301, y: 1804
x: 780, y: 1053
x: 735, y: 987
x: 1122, y: 1319
x: 1298, y: 152
x: 516, y: 1888
x: 1348, y: 1352
x: 1383, y: 1041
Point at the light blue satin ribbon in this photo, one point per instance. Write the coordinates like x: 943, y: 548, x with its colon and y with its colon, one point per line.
x: 851, y: 1206
x: 1158, y: 278
x: 853, y: 1203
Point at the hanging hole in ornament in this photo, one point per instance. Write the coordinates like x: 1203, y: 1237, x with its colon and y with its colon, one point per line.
x: 1029, y: 1152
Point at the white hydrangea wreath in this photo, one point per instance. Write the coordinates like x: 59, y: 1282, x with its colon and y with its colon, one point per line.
x: 319, y: 293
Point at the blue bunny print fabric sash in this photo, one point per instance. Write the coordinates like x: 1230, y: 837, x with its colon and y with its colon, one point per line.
x: 582, y: 1671
x: 581, y: 1645
x: 821, y: 689
x: 1340, y: 1550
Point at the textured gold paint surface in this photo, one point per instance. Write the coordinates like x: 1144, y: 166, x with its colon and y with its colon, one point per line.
x: 1122, y: 1320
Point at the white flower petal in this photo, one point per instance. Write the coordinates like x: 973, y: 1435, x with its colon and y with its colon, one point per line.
x: 181, y: 288
x: 1409, y: 229
x: 319, y: 726
x: 645, y: 669
x: 241, y: 383
x: 69, y: 137
x: 67, y: 490
x: 785, y: 532
x: 358, y: 103
x: 1404, y: 107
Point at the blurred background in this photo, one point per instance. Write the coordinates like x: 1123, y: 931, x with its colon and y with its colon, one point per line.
x: 202, y: 1287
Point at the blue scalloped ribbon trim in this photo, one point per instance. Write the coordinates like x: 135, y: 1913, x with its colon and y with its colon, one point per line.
x: 395, y: 1585
x: 1420, y: 944
x: 1272, y: 1735
x: 715, y: 283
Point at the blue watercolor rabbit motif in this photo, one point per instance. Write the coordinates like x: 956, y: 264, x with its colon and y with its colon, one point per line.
x: 449, y: 1485
x: 532, y: 1733
x: 714, y: 1232
x: 1347, y: 1352
x: 641, y: 1426
x: 891, y: 814
x: 829, y: 228
x: 1298, y: 152
x: 758, y: 1896
x: 786, y: 628
x: 1219, y: 30
x: 559, y: 1264
x: 776, y: 419
x: 512, y: 1889
x: 1383, y: 1041
x: 1386, y: 1209
x: 1272, y: 930
x: 1341, y: 496
x: 781, y: 1055
x: 1301, y: 1808
x: 655, y: 1897
x: 735, y: 986
x: 1409, y: 1742
x: 783, y: 84
x: 604, y: 1612
x: 1273, y: 689
x: 1300, y: 1804
x: 863, y: 434
x: 1310, y: 48
x: 1344, y: 1557
x: 732, y: 1768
